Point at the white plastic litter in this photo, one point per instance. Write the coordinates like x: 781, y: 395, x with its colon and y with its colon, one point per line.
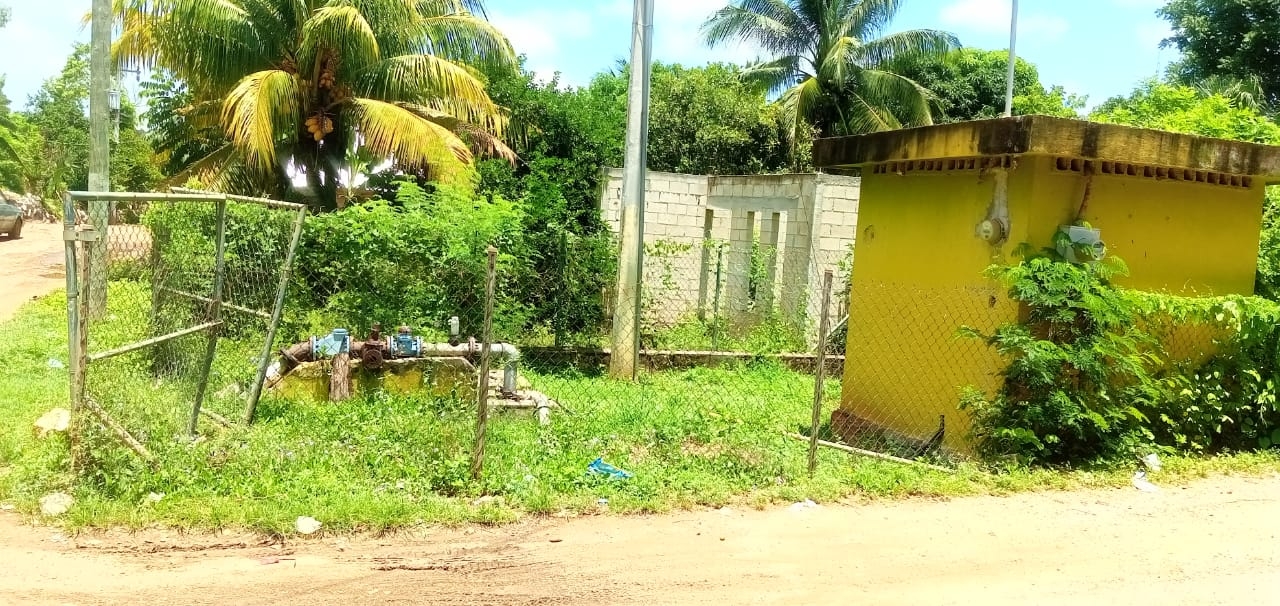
x: 56, y: 504
x: 803, y: 505
x: 1141, y: 483
x: 1152, y: 461
x: 307, y: 525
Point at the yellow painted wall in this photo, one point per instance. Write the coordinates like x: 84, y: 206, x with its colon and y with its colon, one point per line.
x: 918, y: 272
x: 1178, y: 237
x: 917, y: 278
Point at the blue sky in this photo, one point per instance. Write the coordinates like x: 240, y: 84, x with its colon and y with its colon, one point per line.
x: 1099, y: 48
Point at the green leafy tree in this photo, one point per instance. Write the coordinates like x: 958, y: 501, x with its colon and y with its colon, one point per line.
x: 52, y: 139
x: 7, y: 151
x: 1227, y: 39
x: 1185, y: 109
x: 573, y: 131
x: 134, y: 165
x: 303, y: 83
x: 564, y: 137
x: 970, y: 83
x: 59, y: 110
x: 174, y: 123
x: 706, y: 120
x: 831, y: 63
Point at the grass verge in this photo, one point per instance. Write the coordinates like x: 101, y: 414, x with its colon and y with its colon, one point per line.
x: 703, y: 437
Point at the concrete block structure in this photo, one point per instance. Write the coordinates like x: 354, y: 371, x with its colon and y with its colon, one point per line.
x: 742, y: 245
x: 1183, y: 212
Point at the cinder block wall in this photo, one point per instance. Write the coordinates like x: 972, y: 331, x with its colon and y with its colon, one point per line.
x: 696, y: 225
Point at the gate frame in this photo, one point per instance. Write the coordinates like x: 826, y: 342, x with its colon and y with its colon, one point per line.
x: 75, y: 236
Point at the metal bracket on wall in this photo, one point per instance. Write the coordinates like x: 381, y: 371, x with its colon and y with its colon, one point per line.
x: 84, y: 234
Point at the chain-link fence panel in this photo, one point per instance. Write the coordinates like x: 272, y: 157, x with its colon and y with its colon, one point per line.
x: 388, y: 309
x: 911, y: 352
x: 176, y: 299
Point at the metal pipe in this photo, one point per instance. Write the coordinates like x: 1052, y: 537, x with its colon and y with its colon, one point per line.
x: 233, y: 307
x: 119, y: 351
x: 302, y: 352
x: 820, y: 374
x: 1013, y: 60
x: 482, y: 394
x: 261, y: 201
x: 75, y: 354
x: 214, y: 314
x: 252, y: 405
x: 120, y: 196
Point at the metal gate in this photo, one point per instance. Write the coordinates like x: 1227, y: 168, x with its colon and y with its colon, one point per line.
x: 173, y: 305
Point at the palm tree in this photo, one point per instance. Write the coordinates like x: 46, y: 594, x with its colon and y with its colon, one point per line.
x: 301, y: 83
x: 831, y: 64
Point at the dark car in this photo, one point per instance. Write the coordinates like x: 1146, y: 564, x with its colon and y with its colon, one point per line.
x: 10, y: 220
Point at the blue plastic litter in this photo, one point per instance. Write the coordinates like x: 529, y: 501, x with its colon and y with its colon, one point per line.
x: 600, y: 468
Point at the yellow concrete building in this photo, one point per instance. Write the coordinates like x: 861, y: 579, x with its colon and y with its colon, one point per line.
x: 942, y: 203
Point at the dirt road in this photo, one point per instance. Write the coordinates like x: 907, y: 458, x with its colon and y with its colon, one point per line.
x: 1210, y: 543
x: 30, y: 267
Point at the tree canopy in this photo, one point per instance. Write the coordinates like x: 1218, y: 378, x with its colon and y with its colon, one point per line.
x: 50, y: 139
x: 969, y: 84
x: 1185, y: 109
x: 300, y: 85
x: 1234, y: 39
x: 832, y: 61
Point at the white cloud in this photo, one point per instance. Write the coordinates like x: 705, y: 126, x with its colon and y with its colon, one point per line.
x: 677, y: 34
x: 992, y: 17
x: 539, y: 36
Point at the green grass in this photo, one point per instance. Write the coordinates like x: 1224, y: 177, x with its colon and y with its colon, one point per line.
x: 695, y: 438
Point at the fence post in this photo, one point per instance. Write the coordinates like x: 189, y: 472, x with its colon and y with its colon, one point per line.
x: 213, y: 314
x: 265, y: 360
x: 75, y: 351
x: 820, y: 373
x: 715, y: 304
x: 482, y: 394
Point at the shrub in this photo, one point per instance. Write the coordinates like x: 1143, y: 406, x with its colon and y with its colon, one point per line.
x: 1091, y: 375
x: 417, y: 261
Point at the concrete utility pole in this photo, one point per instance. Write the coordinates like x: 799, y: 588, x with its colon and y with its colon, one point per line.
x: 624, y: 361
x: 99, y: 149
x: 1013, y: 60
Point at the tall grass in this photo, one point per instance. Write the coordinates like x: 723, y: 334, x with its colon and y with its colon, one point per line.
x: 702, y: 437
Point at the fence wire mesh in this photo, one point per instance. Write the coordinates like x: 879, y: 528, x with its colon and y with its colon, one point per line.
x: 386, y: 320
x: 728, y: 335
x: 176, y: 300
x: 911, y: 351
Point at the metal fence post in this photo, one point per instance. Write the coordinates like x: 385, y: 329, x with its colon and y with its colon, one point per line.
x: 715, y: 305
x: 482, y: 394
x: 214, y: 314
x: 264, y: 361
x: 75, y: 351
x: 820, y: 373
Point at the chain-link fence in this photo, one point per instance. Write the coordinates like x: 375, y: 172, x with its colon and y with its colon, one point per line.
x: 173, y: 301
x: 389, y: 307
x: 727, y: 344
x: 912, y: 350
